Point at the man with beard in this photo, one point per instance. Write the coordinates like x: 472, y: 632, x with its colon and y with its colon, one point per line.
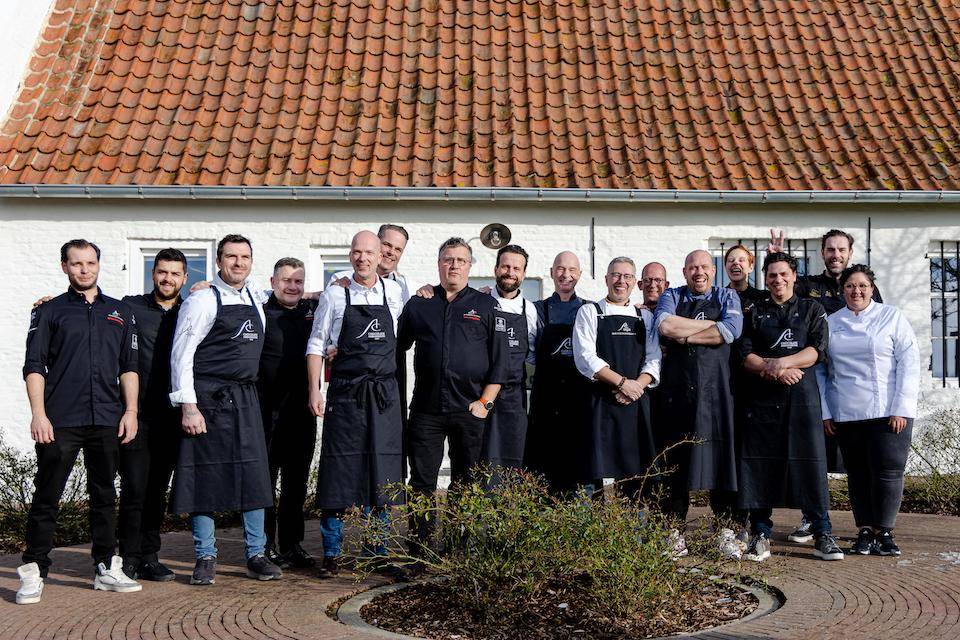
x: 698, y: 322
x: 836, y: 249
x: 556, y: 428
x: 289, y: 426
x: 81, y: 375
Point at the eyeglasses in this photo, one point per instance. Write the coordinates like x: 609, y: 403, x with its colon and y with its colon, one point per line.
x: 449, y: 262
x: 657, y: 281
x: 627, y: 277
x: 851, y: 286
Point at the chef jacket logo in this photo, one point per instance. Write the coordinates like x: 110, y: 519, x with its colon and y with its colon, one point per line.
x: 565, y: 348
x: 785, y: 341
x: 115, y: 318
x: 133, y: 343
x: 701, y: 316
x: 373, y: 331
x: 500, y: 324
x: 625, y: 330
x: 246, y: 332
x: 473, y: 315
x: 512, y: 337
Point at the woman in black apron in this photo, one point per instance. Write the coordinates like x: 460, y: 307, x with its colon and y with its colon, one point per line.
x: 782, y: 457
x: 506, y: 431
x: 361, y: 441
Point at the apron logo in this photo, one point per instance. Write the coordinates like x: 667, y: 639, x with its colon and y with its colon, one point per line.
x: 473, y: 315
x: 133, y: 343
x: 246, y: 332
x: 785, y: 341
x: 512, y: 337
x: 701, y: 316
x: 565, y: 348
x: 372, y: 331
x: 115, y: 318
x: 500, y: 324
x: 624, y: 330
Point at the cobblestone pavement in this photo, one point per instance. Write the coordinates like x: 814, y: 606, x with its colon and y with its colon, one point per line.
x: 915, y: 596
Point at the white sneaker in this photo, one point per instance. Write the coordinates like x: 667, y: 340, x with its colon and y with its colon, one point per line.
x: 727, y: 543
x: 114, y: 579
x: 676, y: 545
x: 31, y: 584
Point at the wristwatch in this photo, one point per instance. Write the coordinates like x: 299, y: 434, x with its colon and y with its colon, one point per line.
x: 487, y: 404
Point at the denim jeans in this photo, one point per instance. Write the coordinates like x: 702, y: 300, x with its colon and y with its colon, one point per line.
x: 331, y: 530
x: 204, y: 530
x: 761, y: 522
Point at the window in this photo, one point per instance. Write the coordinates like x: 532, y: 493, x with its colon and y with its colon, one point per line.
x: 324, y: 262
x: 805, y: 251
x: 532, y: 288
x: 199, y: 256
x: 944, y: 356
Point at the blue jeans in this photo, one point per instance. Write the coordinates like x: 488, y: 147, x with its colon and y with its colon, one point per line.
x: 204, y: 530
x: 761, y: 522
x: 331, y: 530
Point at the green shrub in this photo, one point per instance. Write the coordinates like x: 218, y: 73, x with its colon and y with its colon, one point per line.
x: 935, y: 464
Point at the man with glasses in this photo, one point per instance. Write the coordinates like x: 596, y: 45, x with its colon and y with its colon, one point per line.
x: 653, y: 282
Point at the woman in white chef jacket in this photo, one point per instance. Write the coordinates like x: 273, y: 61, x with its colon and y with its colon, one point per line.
x: 869, y: 389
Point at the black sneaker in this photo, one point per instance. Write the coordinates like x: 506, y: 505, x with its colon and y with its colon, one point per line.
x: 802, y: 533
x: 865, y: 542
x: 130, y: 568
x: 330, y: 567
x: 297, y: 557
x: 759, y: 548
x: 260, y: 568
x: 885, y: 545
x: 155, y: 571
x: 277, y: 558
x: 205, y: 571
x: 825, y: 547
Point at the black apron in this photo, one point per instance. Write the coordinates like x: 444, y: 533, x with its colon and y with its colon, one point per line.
x: 505, y: 433
x: 620, y: 439
x: 559, y: 400
x: 782, y: 457
x: 361, y: 441
x: 697, y: 403
x: 226, y: 468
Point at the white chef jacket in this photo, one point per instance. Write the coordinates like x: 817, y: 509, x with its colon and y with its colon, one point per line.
x: 585, y: 339
x: 194, y: 321
x: 393, y: 275
x: 328, y: 318
x: 873, y: 365
x: 515, y: 306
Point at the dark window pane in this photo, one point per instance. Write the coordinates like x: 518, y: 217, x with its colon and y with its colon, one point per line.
x: 950, y: 275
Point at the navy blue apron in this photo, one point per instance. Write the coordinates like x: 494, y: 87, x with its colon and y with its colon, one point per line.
x: 559, y: 409
x: 616, y: 448
x: 505, y: 433
x: 782, y: 457
x: 697, y: 403
x: 226, y: 468
x: 361, y: 441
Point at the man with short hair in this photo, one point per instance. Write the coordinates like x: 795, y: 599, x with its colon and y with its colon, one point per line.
x: 81, y: 376
x: 289, y: 426
x: 560, y: 395
x: 223, y: 464
x: 361, y: 448
x: 393, y: 241
x: 698, y: 322
x: 653, y: 282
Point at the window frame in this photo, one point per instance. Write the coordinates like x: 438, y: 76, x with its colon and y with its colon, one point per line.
x: 141, y: 249
x: 944, y: 250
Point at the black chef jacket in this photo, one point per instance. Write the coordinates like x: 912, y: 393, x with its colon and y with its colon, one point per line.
x: 82, y: 349
x: 826, y: 290
x: 283, y: 362
x: 155, y: 328
x: 461, y: 347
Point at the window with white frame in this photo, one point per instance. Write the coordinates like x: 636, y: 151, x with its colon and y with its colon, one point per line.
x: 944, y: 261
x: 324, y: 262
x: 199, y: 255
x: 804, y: 250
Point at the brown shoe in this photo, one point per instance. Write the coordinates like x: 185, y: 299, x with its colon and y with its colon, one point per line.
x: 330, y: 567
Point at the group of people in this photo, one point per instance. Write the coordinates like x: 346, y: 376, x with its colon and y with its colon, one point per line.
x: 734, y: 390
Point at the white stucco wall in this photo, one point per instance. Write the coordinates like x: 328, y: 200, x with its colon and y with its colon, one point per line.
x: 20, y: 25
x: 31, y: 232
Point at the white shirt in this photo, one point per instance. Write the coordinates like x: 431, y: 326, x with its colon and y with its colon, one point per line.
x: 393, y: 275
x: 515, y: 306
x: 585, y: 339
x: 328, y: 318
x: 873, y: 365
x: 194, y: 321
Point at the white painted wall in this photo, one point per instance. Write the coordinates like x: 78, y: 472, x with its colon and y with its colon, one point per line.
x: 20, y: 25
x: 31, y: 232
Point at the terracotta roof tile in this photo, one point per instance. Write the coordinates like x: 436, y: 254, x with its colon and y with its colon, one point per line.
x: 566, y: 93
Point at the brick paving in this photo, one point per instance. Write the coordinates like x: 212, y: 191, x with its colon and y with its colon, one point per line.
x: 915, y: 596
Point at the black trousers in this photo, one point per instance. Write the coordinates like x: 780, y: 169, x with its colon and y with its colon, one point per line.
x: 875, y: 458
x: 291, y: 440
x: 134, y: 469
x: 426, y: 434
x: 54, y: 463
x: 163, y: 445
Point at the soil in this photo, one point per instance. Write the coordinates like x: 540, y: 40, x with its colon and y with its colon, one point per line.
x: 430, y: 610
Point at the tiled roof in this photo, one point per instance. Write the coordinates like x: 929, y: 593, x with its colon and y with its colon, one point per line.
x: 664, y: 94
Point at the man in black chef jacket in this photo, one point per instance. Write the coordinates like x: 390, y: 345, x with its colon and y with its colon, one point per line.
x: 289, y: 426
x: 459, y: 364
x: 836, y: 250
x: 81, y: 375
x: 556, y: 429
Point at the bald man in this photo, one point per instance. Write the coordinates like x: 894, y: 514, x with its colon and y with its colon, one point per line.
x: 653, y: 282
x: 560, y: 397
x: 697, y: 322
x: 360, y: 450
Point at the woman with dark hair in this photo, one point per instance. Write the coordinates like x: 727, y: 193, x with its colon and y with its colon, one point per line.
x: 782, y: 457
x: 738, y: 262
x: 869, y: 392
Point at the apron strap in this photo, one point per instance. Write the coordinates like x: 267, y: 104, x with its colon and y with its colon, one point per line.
x: 216, y: 292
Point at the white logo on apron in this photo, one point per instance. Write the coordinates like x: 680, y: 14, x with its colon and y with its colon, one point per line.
x: 564, y: 349
x: 373, y: 331
x: 785, y: 341
x: 246, y: 331
x: 701, y: 316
